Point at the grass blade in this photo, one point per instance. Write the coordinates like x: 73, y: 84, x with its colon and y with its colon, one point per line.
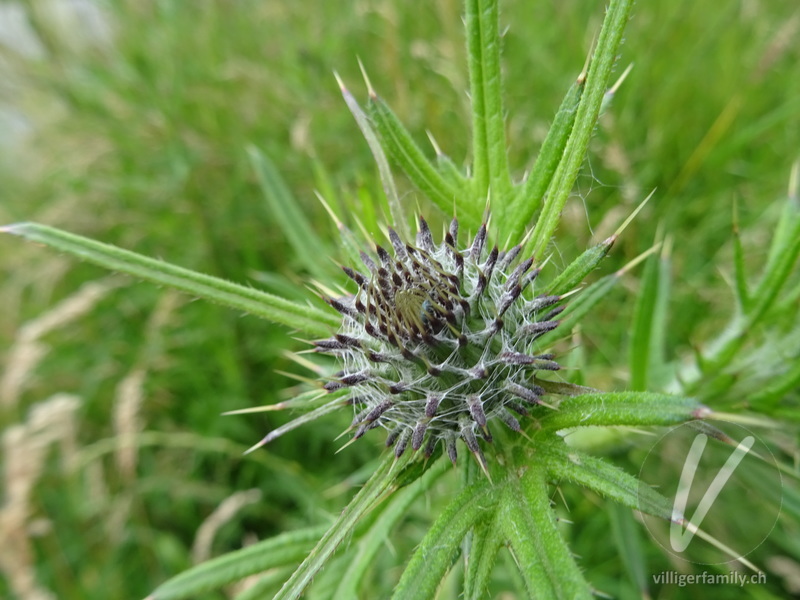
x: 628, y: 539
x: 777, y: 272
x: 649, y: 323
x: 742, y: 291
x: 261, y: 304
x: 306, y: 244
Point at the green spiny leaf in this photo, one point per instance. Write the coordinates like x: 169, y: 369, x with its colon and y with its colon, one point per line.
x: 588, y: 110
x: 376, y: 148
x: 579, y: 268
x: 410, y: 158
x: 440, y: 546
x: 450, y: 172
x: 375, y: 538
x: 490, y: 163
x: 622, y: 408
x: 379, y: 483
x: 541, y: 554
x: 485, y: 543
x: 580, y: 306
x: 261, y: 304
x: 563, y: 462
x: 528, y: 197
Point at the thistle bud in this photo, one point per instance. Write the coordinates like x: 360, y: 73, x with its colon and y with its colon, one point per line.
x: 438, y: 343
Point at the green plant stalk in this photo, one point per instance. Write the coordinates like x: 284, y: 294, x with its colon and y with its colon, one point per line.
x: 541, y: 554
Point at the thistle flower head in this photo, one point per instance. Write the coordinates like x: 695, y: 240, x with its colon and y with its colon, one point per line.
x: 438, y: 343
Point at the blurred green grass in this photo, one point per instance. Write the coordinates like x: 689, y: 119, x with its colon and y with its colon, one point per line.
x: 143, y: 144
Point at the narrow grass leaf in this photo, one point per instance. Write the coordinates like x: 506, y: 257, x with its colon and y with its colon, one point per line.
x: 628, y: 540
x: 306, y: 244
x: 285, y: 549
x: 440, y: 546
x: 265, y: 585
x: 659, y: 368
x: 588, y: 110
x: 778, y: 271
x: 261, y: 304
x: 770, y: 397
x: 785, y: 231
x: 642, y: 334
x: 742, y: 292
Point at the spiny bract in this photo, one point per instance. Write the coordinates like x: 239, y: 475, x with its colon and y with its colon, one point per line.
x: 437, y: 342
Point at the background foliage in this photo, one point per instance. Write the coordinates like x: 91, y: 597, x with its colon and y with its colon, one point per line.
x: 140, y: 137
